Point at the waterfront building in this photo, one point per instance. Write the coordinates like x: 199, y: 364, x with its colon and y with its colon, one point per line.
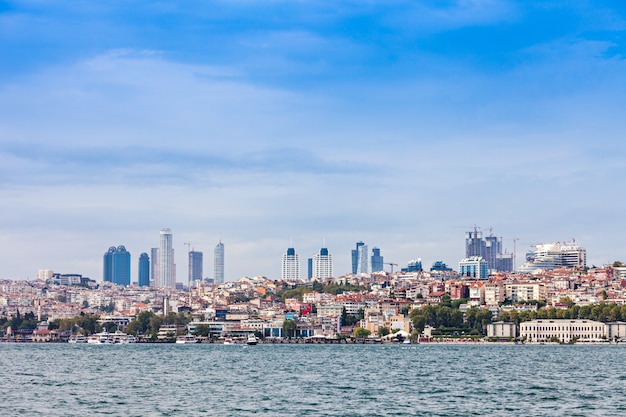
x: 195, y: 266
x: 144, y: 270
x: 502, y: 330
x: 167, y: 266
x: 323, y: 264
x: 359, y: 259
x: 564, y: 331
x: 218, y: 263
x: 377, y: 261
x: 473, y: 267
x: 549, y: 256
x: 290, y: 270
x: 116, y: 266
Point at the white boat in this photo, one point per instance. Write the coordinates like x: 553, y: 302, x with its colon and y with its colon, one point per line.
x: 102, y: 338
x: 77, y: 338
x: 120, y: 338
x: 186, y: 339
x: 252, y: 340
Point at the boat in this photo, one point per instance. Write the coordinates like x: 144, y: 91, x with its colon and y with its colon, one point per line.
x: 102, y: 338
x: 77, y: 338
x: 186, y: 339
x: 120, y: 338
x: 252, y: 340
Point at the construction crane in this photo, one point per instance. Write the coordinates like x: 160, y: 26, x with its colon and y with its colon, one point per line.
x: 391, y: 265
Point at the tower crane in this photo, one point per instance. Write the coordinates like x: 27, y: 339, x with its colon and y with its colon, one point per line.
x: 391, y: 265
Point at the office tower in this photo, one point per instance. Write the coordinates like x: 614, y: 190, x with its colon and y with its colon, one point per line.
x: 549, y: 256
x: 309, y: 268
x: 144, y: 270
x: 218, y: 263
x: 167, y: 267
x: 359, y: 259
x: 473, y: 267
x: 413, y: 266
x: 377, y: 261
x: 291, y: 265
x: 116, y: 266
x: 195, y: 266
x: 154, y: 268
x: 323, y: 264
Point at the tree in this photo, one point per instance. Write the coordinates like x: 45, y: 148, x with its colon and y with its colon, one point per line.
x: 202, y: 330
x: 289, y: 328
x: 360, y: 332
x: 383, y: 331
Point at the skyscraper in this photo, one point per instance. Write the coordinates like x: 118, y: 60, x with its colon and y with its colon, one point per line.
x: 154, y: 268
x: 195, y: 266
x: 144, y: 270
x: 218, y: 263
x: 290, y: 265
x: 360, y: 259
x: 377, y: 261
x: 490, y: 249
x: 167, y: 266
x: 323, y: 264
x: 116, y: 266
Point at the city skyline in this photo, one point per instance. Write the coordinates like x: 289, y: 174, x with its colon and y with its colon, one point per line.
x: 401, y: 125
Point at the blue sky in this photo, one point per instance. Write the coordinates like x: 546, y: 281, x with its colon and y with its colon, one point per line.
x: 399, y: 123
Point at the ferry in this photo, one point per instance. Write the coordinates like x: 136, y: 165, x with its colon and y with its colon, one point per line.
x: 186, y: 339
x: 120, y: 338
x: 77, y: 338
x: 102, y: 338
x: 252, y: 340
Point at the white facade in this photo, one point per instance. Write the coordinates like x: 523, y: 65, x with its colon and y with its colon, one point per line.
x: 549, y: 256
x: 290, y: 270
x: 563, y: 330
x: 323, y: 265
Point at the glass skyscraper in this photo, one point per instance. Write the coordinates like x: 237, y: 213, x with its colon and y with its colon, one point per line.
x: 377, y: 261
x: 218, y: 263
x: 144, y: 270
x: 359, y: 259
x: 116, y: 266
x: 195, y: 266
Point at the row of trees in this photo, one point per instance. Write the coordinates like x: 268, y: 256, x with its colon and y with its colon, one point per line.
x: 148, y: 324
x: 26, y: 322
x: 334, y: 289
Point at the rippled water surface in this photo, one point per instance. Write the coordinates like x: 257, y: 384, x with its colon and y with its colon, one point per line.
x: 311, y: 380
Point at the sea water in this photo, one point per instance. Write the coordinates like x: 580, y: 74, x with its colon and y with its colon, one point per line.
x: 311, y: 380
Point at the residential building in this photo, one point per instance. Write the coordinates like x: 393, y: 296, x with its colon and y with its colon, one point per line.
x: 290, y: 270
x: 144, y: 270
x: 323, y: 264
x: 218, y: 258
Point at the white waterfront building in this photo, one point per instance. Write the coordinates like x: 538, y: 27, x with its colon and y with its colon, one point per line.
x: 565, y: 330
x: 290, y: 270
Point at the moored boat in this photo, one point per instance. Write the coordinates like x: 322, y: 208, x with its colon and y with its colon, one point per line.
x: 186, y: 339
x: 252, y: 340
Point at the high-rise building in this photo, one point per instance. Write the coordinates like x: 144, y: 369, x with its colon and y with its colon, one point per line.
x: 116, y: 266
x: 323, y: 264
x: 490, y: 249
x: 309, y: 268
x: 154, y: 268
x: 414, y: 266
x: 377, y: 261
x: 144, y: 270
x: 195, y: 266
x: 167, y: 266
x: 548, y: 256
x: 359, y: 259
x: 218, y: 265
x: 290, y: 266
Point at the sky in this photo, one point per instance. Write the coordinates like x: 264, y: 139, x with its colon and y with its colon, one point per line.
x: 270, y: 124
